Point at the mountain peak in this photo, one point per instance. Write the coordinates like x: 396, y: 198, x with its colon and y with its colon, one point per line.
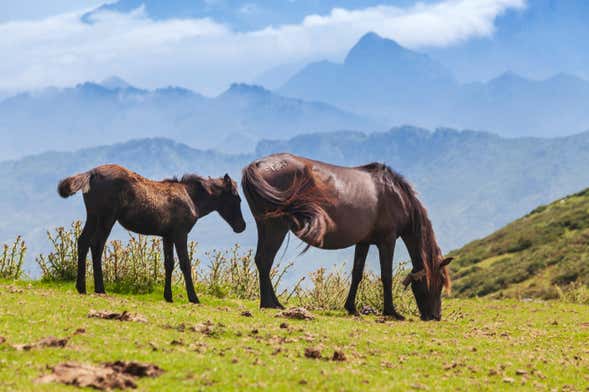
x: 372, y: 44
x: 115, y: 83
x: 246, y: 89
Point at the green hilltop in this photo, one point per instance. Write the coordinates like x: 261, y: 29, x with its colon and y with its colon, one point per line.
x: 537, y: 256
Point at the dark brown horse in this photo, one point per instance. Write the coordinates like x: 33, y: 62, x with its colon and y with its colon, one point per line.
x: 333, y: 207
x: 168, y: 208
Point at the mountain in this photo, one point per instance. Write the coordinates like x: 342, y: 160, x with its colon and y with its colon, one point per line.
x: 472, y: 183
x: 113, y: 111
x: 532, y: 257
x: 381, y: 79
x: 370, y: 80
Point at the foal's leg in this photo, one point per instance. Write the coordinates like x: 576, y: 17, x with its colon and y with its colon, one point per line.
x: 271, y: 233
x: 359, y: 262
x: 386, y: 251
x: 83, y: 246
x: 169, y: 267
x: 101, y: 234
x: 182, y: 250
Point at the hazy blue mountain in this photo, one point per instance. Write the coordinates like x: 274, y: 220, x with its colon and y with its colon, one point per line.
x: 378, y: 77
x: 113, y: 111
x: 381, y: 79
x: 472, y: 182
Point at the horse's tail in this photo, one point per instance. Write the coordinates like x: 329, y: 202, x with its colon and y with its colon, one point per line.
x: 302, y: 203
x: 69, y: 186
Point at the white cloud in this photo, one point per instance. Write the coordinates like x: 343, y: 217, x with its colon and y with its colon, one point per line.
x: 207, y: 56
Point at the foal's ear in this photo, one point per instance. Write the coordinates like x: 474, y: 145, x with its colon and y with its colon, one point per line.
x: 227, y: 181
x: 446, y: 261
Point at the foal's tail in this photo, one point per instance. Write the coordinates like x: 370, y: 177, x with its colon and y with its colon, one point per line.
x: 73, y: 184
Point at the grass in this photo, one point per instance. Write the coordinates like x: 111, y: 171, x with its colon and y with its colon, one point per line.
x: 482, y: 344
x: 542, y: 255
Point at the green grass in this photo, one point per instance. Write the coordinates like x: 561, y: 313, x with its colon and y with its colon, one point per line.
x: 540, y: 255
x: 481, y: 345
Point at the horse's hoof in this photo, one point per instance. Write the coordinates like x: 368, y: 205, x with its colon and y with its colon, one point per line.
x: 193, y: 301
x: 81, y: 290
x: 394, y: 315
x: 271, y: 306
x: 169, y: 299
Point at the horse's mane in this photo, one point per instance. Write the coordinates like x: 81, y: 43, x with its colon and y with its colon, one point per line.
x: 303, y: 203
x: 420, y: 224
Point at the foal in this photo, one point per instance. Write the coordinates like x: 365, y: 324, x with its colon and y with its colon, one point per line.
x: 168, y: 208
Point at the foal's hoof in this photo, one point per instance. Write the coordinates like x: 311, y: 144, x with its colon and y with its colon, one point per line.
x: 169, y: 299
x: 193, y: 301
x: 352, y: 311
x: 81, y: 290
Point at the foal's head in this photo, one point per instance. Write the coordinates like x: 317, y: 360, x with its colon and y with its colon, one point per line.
x: 219, y: 194
x: 428, y: 289
x: 228, y: 202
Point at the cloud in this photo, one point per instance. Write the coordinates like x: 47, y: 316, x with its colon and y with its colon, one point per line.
x: 206, y: 55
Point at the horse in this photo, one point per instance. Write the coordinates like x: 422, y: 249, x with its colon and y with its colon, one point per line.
x: 168, y: 208
x: 335, y: 207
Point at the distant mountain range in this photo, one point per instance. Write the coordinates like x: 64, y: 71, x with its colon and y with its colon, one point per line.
x: 472, y: 182
x: 92, y: 114
x: 544, y: 38
x: 392, y: 84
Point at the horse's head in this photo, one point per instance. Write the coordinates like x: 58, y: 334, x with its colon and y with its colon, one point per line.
x: 229, y: 206
x: 428, y: 292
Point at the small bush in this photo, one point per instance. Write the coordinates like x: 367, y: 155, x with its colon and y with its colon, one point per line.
x: 577, y: 293
x: 61, y: 264
x: 328, y: 291
x: 12, y: 259
x: 136, y: 267
x: 234, y: 274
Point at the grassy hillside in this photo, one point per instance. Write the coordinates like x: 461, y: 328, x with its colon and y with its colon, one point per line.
x: 482, y: 344
x: 535, y: 256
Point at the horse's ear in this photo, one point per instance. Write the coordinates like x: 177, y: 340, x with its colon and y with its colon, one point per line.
x: 446, y: 261
x: 227, y: 181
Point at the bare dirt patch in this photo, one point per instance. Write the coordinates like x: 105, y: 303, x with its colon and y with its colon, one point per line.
x: 43, y: 343
x: 108, y: 376
x: 296, y: 314
x: 124, y: 316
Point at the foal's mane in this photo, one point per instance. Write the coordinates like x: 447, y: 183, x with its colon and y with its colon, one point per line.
x: 420, y: 225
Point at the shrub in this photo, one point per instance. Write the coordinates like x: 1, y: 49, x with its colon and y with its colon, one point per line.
x: 329, y: 290
x: 576, y: 292
x: 12, y: 260
x: 61, y: 264
x: 136, y: 267
x: 234, y: 274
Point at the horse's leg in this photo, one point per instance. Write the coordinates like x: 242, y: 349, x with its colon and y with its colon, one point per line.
x: 357, y: 272
x: 83, y: 247
x: 271, y: 233
x: 169, y: 267
x: 386, y: 251
x: 182, y: 250
x: 103, y: 229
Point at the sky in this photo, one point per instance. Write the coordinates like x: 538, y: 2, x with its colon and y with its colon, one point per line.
x: 48, y: 44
